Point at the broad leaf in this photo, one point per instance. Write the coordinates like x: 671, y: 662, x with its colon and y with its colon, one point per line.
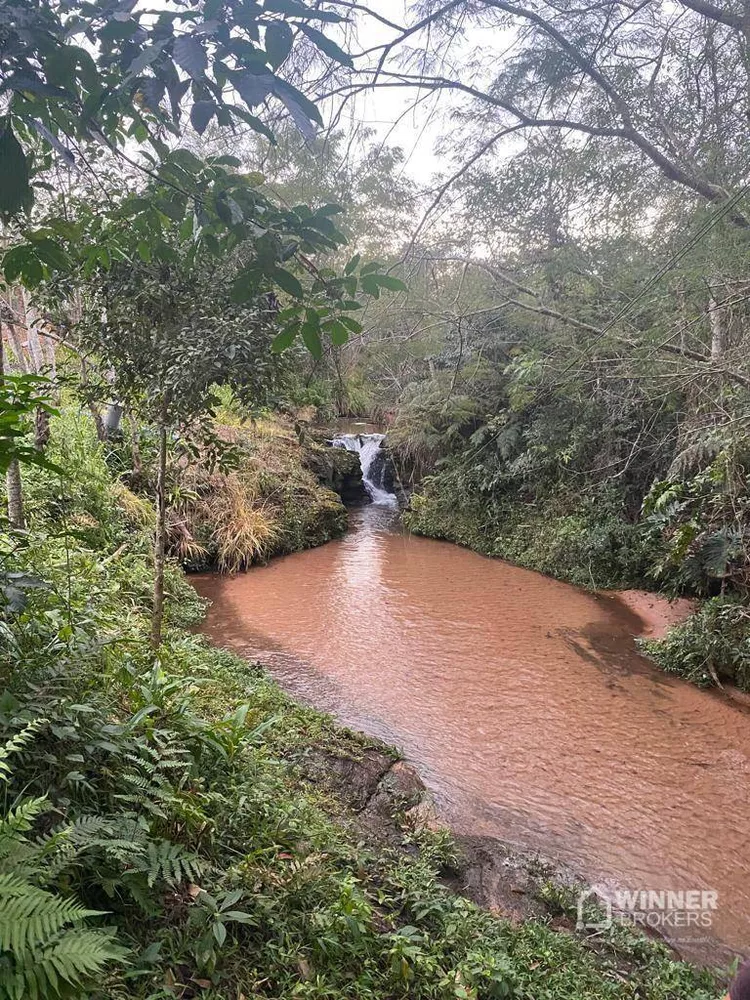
x: 284, y: 339
x: 328, y: 46
x: 311, y: 340
x: 286, y: 280
x: 201, y: 114
x: 279, y: 39
x: 15, y: 189
x: 189, y: 55
x: 389, y: 282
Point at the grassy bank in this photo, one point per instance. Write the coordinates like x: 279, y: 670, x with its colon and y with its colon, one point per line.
x: 175, y: 826
x: 275, y: 494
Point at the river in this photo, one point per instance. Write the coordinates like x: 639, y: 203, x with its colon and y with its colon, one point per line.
x: 523, y: 703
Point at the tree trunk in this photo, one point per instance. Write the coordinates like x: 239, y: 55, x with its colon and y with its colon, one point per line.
x: 15, y: 495
x: 161, y: 523
x: 13, y: 474
x: 718, y: 324
x: 18, y: 351
x: 41, y: 429
x: 135, y: 448
x: 93, y: 408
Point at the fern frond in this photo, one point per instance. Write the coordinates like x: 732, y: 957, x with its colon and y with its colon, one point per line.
x: 30, y: 916
x: 17, y: 743
x: 20, y: 820
x: 62, y: 964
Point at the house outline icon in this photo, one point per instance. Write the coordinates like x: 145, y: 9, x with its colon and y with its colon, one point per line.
x: 601, y: 898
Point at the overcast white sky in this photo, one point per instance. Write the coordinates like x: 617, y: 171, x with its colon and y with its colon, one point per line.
x: 399, y: 117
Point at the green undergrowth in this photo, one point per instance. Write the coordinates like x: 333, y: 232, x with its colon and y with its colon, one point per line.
x: 587, y: 542
x: 159, y: 837
x: 710, y: 647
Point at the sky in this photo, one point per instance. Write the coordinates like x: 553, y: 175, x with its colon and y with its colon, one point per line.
x: 399, y: 117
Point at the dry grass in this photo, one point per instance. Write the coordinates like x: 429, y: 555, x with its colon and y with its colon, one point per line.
x: 272, y: 503
x: 242, y: 530
x: 138, y: 511
x: 180, y: 541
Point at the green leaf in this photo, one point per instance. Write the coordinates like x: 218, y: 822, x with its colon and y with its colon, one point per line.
x: 189, y: 55
x: 337, y: 332
x: 370, y: 285
x: 286, y: 280
x: 201, y: 114
x: 15, y: 187
x: 145, y: 58
x: 327, y: 45
x: 389, y: 282
x: 352, y: 265
x: 284, y: 339
x: 351, y: 323
x: 254, y: 122
x: 173, y: 208
x: 279, y: 39
x: 27, y: 82
x: 51, y: 253
x: 301, y: 108
x: 311, y: 339
x: 295, y: 9
x: 245, y: 285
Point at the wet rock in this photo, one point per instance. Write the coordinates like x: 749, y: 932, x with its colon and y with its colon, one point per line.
x: 503, y: 879
x: 340, y: 471
x: 399, y: 789
x: 354, y: 778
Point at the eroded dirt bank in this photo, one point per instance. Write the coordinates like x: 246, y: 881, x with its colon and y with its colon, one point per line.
x: 656, y: 613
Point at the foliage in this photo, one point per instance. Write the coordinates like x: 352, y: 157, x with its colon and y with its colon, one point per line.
x: 702, y: 513
x: 711, y: 645
x: 46, y: 948
x: 20, y: 397
x: 75, y: 71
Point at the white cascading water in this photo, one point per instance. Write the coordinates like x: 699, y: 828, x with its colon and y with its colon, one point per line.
x: 369, y: 447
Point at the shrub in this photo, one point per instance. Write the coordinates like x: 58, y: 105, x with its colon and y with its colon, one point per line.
x: 712, y: 644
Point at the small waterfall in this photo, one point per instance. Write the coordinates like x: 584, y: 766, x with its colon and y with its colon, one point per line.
x: 373, y: 462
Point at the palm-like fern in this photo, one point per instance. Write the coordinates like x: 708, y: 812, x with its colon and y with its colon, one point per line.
x: 46, y: 948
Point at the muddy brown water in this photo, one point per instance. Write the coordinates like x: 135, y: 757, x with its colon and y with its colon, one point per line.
x: 522, y: 701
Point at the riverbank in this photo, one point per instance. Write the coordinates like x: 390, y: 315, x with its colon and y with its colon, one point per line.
x: 656, y: 612
x: 206, y: 836
x: 429, y: 915
x: 280, y: 489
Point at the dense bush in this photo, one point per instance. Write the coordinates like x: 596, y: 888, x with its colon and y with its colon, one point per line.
x: 711, y: 645
x: 586, y: 541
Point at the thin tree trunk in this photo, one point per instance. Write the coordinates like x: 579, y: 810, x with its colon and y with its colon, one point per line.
x: 15, y: 495
x: 41, y: 429
x: 93, y: 408
x: 18, y: 351
x: 14, y: 490
x: 135, y: 449
x: 717, y: 322
x: 161, y: 522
